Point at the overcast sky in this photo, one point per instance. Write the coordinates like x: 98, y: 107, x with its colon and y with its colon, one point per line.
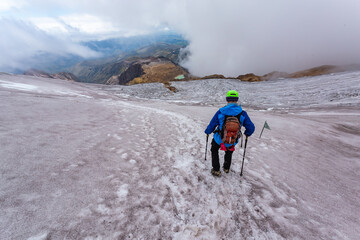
x: 229, y: 37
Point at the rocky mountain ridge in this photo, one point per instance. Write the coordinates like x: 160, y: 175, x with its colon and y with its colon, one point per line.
x: 148, y: 70
x: 103, y: 70
x: 164, y: 70
x: 61, y: 75
x: 316, y: 71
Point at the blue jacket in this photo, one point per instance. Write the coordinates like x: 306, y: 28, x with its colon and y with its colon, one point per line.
x: 232, y: 109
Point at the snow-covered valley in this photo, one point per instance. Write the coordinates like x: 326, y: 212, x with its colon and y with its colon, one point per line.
x: 84, y: 161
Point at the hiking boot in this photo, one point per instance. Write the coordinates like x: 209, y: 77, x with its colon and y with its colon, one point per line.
x: 226, y: 170
x: 215, y: 173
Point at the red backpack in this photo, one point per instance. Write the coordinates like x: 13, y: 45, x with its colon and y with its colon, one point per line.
x: 231, y: 129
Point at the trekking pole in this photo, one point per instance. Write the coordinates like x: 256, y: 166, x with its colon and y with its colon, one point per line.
x: 242, y: 140
x: 207, y: 138
x: 242, y: 165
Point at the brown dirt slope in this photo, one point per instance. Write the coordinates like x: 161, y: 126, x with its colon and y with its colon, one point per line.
x: 325, y: 69
x: 149, y: 70
x: 159, y: 72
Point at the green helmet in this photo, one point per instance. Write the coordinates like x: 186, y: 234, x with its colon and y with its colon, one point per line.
x: 232, y: 93
x: 232, y: 96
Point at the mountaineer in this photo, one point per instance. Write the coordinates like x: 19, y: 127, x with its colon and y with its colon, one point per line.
x: 226, y: 126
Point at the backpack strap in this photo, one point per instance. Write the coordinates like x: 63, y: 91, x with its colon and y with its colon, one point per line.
x: 241, y: 117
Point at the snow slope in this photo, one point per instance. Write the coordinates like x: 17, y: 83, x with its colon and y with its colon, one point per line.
x: 111, y: 162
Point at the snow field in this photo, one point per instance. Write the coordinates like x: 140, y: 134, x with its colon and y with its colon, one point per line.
x: 101, y: 164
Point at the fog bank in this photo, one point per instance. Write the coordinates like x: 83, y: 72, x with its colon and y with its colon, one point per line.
x: 236, y: 37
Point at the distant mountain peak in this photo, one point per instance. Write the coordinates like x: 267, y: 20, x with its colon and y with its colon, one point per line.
x: 60, y: 75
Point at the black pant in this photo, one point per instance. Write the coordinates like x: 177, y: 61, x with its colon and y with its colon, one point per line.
x: 215, y: 157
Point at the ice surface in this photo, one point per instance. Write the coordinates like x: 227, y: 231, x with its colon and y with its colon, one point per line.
x: 20, y: 86
x: 43, y: 88
x: 84, y: 161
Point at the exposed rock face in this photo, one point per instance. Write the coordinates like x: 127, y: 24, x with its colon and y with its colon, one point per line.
x: 148, y: 70
x: 250, y: 77
x: 214, y: 76
x: 135, y: 70
x: 37, y: 73
x: 326, y: 69
x: 65, y: 76
x: 171, y: 88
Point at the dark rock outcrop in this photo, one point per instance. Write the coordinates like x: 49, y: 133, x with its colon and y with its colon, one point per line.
x: 148, y: 70
x: 171, y: 88
x: 135, y: 70
x: 214, y: 76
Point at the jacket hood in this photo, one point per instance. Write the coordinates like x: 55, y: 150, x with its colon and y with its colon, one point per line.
x: 232, y: 109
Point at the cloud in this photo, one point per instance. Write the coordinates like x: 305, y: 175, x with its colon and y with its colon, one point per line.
x: 229, y: 37
x: 50, y: 25
x: 6, y: 5
x: 103, y: 17
x: 21, y: 41
x: 88, y: 24
x: 78, y: 27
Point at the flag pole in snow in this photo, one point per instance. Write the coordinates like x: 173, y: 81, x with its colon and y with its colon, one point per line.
x: 266, y: 125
